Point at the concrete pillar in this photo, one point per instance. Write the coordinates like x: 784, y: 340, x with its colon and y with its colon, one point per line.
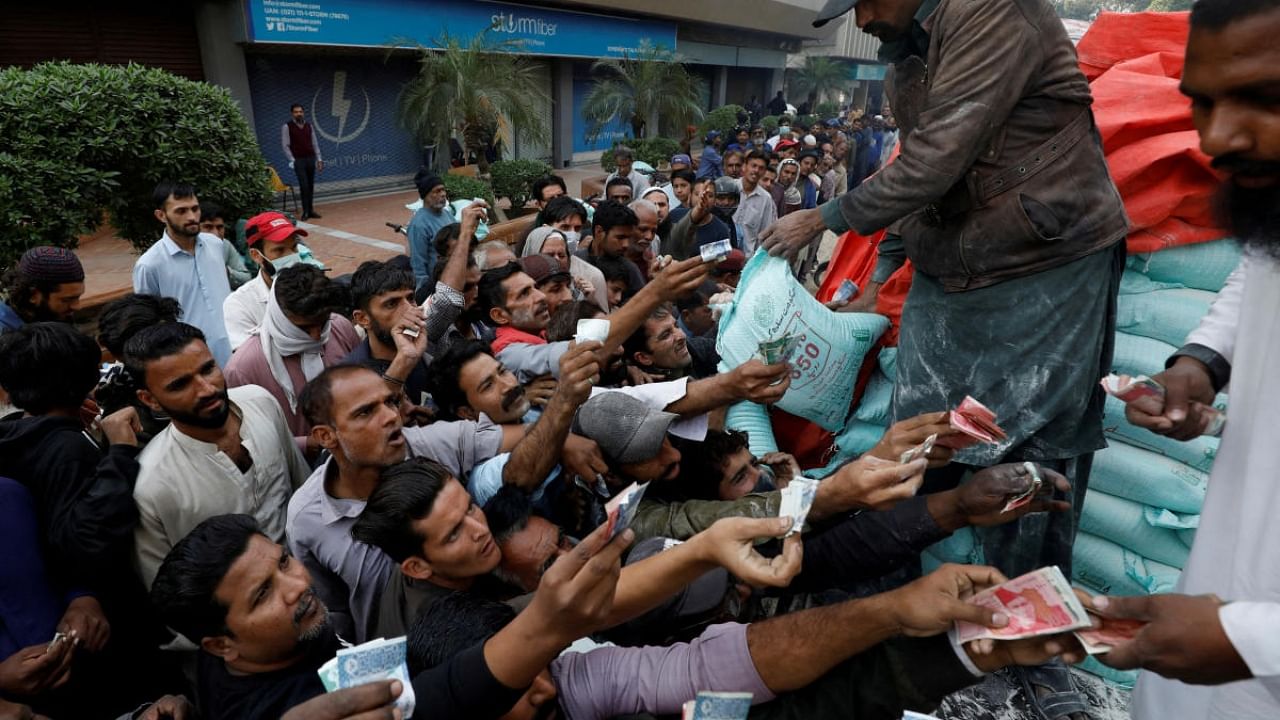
x: 561, y: 113
x: 220, y: 31
x: 719, y: 86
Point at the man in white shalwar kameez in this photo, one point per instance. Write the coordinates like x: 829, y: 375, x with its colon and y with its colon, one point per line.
x: 1213, y: 651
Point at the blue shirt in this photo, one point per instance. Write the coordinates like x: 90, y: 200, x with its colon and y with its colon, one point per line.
x: 709, y: 165
x: 422, y: 247
x: 9, y: 319
x: 198, y: 281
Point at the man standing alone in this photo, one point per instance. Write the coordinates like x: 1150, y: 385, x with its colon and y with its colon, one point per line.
x: 302, y: 147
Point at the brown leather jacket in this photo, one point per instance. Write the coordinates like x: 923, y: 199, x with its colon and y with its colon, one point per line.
x: 1001, y: 172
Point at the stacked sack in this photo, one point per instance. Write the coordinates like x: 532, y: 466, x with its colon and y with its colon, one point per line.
x: 1145, y: 493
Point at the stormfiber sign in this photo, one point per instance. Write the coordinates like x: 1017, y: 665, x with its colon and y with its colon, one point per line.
x: 381, y: 23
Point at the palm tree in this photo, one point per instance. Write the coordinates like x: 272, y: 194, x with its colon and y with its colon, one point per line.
x: 641, y: 88
x: 477, y: 91
x: 821, y: 75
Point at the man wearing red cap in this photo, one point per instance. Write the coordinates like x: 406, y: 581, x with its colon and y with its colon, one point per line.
x: 273, y: 244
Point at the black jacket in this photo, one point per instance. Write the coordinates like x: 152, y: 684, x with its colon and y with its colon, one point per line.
x: 83, y: 496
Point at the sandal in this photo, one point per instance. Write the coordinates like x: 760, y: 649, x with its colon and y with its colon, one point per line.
x: 1051, y: 694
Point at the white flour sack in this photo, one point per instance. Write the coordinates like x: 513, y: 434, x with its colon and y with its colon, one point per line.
x: 769, y: 305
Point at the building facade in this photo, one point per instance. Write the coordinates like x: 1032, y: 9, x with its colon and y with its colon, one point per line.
x: 338, y: 59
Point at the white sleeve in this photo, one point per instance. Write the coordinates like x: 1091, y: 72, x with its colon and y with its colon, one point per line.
x: 1217, y: 331
x: 1254, y: 629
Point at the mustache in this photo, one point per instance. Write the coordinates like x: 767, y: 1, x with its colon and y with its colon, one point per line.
x: 1236, y: 164
x: 511, y: 398
x: 212, y: 400
x: 304, y: 606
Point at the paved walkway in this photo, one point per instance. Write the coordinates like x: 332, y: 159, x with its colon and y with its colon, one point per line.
x: 348, y: 233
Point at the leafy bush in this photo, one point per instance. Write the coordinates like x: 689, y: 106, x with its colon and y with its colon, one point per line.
x: 724, y: 119
x: 827, y: 110
x: 462, y: 187
x: 805, y: 121
x: 654, y: 151
x: 512, y: 179
x: 770, y: 124
x: 84, y: 144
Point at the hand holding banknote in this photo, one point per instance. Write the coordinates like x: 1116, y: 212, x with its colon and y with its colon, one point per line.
x: 902, y: 437
x: 1182, y: 638
x: 1188, y: 390
x: 983, y: 498
x: 867, y: 483
x: 731, y: 544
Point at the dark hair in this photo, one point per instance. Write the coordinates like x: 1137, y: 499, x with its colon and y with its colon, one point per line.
x: 315, y: 402
x: 167, y: 189
x: 612, y: 214
x: 613, y: 268
x: 185, y: 587
x: 700, y: 464
x: 691, y: 301
x: 444, y: 238
x: 210, y: 210
x: 732, y: 153
x: 684, y: 174
x: 1217, y: 14
x: 48, y: 366
x: 455, y: 622
x: 124, y: 317
x: 756, y: 155
x: 638, y: 341
x: 616, y: 182
x: 508, y: 512
x: 18, y: 288
x: 405, y: 493
x: 564, y: 321
x: 295, y: 105
x: 443, y: 383
x: 373, y: 278
x: 545, y: 182
x: 155, y: 342
x: 307, y: 292
x: 492, y: 294
x: 624, y: 151
x: 562, y: 208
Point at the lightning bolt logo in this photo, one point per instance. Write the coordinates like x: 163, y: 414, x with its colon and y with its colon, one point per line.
x: 341, y: 106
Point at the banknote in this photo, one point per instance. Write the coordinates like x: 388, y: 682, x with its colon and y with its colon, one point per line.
x: 721, y: 706
x: 1038, y: 603
x: 1036, y: 483
x: 797, y: 499
x: 1113, y: 632
x: 592, y: 330
x: 716, y: 251
x: 976, y: 423
x: 1147, y: 395
x: 919, y: 451
x: 846, y: 291
x: 375, y: 660
x: 621, y: 508
x: 781, y: 349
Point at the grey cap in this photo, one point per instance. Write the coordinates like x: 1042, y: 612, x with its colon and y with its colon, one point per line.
x: 626, y: 429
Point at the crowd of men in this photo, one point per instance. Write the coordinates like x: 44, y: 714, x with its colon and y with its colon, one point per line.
x: 205, y: 501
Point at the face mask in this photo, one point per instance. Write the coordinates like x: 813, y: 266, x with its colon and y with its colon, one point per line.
x: 271, y: 267
x: 571, y: 238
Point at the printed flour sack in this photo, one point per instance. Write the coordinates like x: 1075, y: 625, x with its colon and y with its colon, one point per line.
x: 769, y: 305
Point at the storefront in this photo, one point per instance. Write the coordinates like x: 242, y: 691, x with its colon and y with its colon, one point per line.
x: 334, y: 57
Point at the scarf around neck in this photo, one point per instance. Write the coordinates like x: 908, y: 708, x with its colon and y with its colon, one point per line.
x: 281, y: 339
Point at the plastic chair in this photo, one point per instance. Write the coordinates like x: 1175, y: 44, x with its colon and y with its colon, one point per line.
x: 279, y: 186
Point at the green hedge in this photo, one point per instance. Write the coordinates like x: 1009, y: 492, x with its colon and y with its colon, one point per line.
x: 512, y: 179
x: 827, y: 110
x: 654, y: 151
x: 770, y: 124
x: 85, y: 144
x: 462, y: 187
x: 723, y: 118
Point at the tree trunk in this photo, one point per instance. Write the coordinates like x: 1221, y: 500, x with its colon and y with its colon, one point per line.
x: 637, y: 126
x: 651, y: 127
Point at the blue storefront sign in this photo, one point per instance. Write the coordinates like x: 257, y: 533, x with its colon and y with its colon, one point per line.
x: 614, y: 131
x: 351, y: 101
x: 379, y: 23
